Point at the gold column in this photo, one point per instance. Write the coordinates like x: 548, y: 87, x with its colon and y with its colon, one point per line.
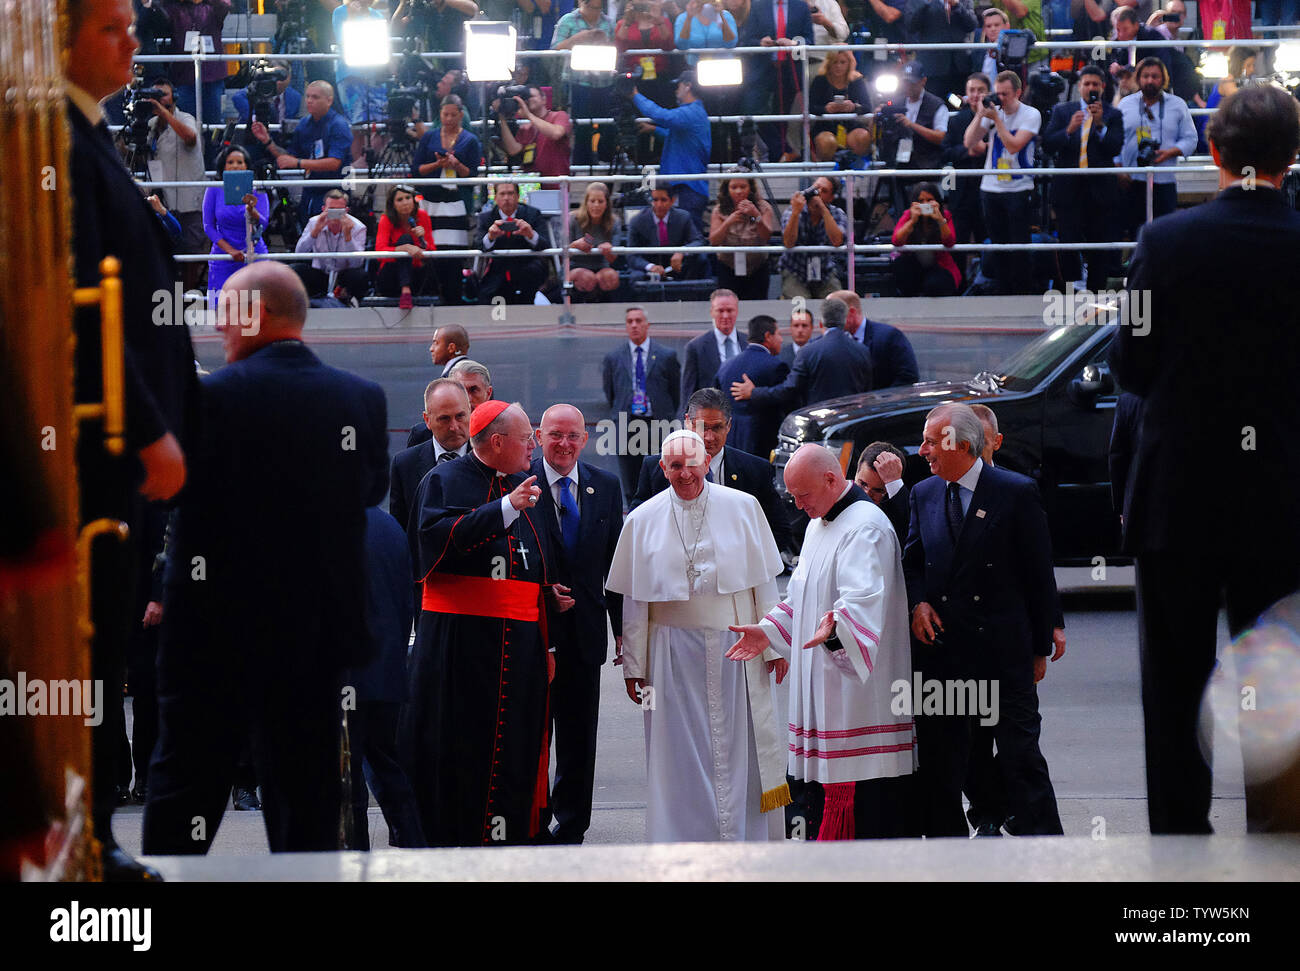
x: 40, y: 600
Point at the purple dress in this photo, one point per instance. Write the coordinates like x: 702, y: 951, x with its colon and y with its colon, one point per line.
x: 221, y: 221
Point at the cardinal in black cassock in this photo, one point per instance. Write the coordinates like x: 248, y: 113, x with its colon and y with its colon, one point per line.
x: 473, y: 737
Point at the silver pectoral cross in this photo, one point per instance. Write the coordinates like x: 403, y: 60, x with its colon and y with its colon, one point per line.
x: 692, y: 575
x: 523, y: 554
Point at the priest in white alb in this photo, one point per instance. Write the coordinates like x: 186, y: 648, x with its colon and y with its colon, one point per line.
x: 844, y: 625
x: 693, y: 561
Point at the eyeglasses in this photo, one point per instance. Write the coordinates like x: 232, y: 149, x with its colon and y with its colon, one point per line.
x: 573, y: 438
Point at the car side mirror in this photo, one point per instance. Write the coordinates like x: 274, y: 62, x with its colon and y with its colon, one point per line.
x: 1094, y: 381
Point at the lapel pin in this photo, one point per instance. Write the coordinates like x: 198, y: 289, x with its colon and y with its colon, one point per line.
x: 979, y: 513
x: 733, y: 476
x: 590, y: 491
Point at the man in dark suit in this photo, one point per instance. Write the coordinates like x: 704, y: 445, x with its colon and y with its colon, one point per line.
x: 446, y: 416
x: 773, y: 23
x: 110, y: 218
x: 705, y: 354
x: 832, y: 367
x: 265, y: 603
x: 802, y: 331
x: 893, y: 362
x: 708, y: 414
x: 880, y: 475
x: 978, y: 563
x: 664, y: 225
x: 381, y: 688
x: 1123, y: 446
x: 1248, y: 552
x: 1085, y: 205
x: 450, y: 346
x: 512, y: 225
x: 940, y: 22
x: 477, y: 382
x: 582, y: 509
x: 642, y: 381
x: 754, y: 428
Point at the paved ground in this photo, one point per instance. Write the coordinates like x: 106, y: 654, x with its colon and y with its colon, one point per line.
x: 1092, y: 739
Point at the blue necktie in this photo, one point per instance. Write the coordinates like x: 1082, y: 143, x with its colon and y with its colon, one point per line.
x: 639, y: 405
x: 568, y: 516
x: 955, y: 515
x: 708, y: 476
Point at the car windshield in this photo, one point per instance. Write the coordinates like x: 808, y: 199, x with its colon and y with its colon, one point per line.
x: 1028, y: 366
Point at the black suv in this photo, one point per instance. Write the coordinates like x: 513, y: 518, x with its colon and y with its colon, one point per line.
x: 1055, y: 404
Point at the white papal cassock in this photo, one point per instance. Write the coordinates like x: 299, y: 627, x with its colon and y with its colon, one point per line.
x: 842, y: 728
x: 714, y: 758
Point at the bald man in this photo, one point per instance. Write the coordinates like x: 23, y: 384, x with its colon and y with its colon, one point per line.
x: 266, y: 598
x: 582, y: 510
x: 320, y: 144
x: 843, y: 625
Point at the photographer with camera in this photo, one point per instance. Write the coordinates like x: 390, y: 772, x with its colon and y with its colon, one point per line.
x: 1128, y: 26
x: 546, y: 141
x: 912, y: 132
x: 812, y: 220
x: 269, y: 98
x: 510, y: 224
x: 1086, y: 133
x: 333, y: 230
x: 643, y: 26
x: 688, y: 141
x: 1157, y: 129
x: 586, y: 24
x: 1006, y: 197
x: 926, y: 221
x: 319, y: 144
x: 177, y: 156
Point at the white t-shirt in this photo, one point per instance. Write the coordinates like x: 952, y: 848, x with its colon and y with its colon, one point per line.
x: 998, y: 159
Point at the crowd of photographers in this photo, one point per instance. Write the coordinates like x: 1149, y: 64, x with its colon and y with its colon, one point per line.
x: 1005, y: 106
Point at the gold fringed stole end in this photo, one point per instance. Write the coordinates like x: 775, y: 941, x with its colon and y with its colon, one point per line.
x: 775, y: 798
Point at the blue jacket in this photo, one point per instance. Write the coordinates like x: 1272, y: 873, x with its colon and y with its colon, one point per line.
x: 832, y: 366
x: 688, y: 141
x: 893, y: 362
x: 754, y: 426
x: 389, y: 610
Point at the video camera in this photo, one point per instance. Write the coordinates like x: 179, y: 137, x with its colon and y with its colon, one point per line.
x: 139, y: 112
x: 1012, y: 51
x: 263, y: 87
x: 625, y: 81
x: 401, y: 102
x: 507, y: 93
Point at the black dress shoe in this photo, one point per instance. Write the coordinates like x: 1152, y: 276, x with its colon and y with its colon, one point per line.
x: 246, y: 800
x: 140, y: 793
x: 121, y: 867
x: 123, y: 795
x: 988, y: 829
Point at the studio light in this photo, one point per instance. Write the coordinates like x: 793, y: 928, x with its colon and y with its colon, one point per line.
x: 364, y: 42
x: 593, y: 57
x: 1214, y: 65
x: 886, y: 84
x: 1287, y: 58
x: 718, y: 71
x: 489, y: 50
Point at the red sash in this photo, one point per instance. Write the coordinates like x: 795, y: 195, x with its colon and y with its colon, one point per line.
x: 449, y: 593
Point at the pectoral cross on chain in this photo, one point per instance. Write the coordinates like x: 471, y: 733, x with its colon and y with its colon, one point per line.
x: 523, y: 554
x: 692, y: 575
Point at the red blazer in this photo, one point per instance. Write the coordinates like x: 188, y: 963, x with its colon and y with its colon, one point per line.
x: 387, y: 235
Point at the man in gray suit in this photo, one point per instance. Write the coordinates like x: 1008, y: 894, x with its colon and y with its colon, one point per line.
x: 641, y: 382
